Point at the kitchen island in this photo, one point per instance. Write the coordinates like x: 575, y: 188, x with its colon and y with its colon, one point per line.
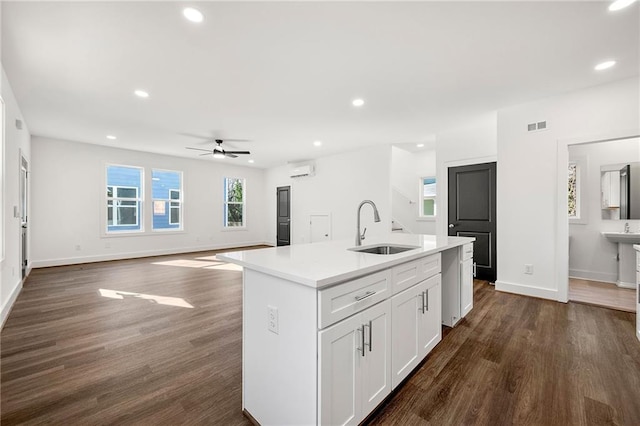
x: 329, y: 332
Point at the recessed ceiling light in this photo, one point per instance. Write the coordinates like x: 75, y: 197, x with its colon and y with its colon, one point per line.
x: 604, y: 65
x: 317, y: 143
x: 194, y: 15
x: 620, y: 4
x: 141, y: 93
x: 251, y: 161
x: 111, y: 137
x: 358, y: 102
x: 420, y: 145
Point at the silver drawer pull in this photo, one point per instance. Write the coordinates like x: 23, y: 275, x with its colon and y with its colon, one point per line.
x: 364, y: 296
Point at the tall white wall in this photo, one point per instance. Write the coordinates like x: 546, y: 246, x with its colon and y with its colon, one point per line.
x: 340, y: 183
x: 68, y: 197
x: 470, y: 143
x: 15, y: 141
x: 591, y: 255
x: 528, y: 177
x: 406, y: 170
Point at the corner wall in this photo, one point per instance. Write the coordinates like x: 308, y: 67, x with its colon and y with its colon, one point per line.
x: 340, y: 183
x: 528, y: 178
x: 67, y: 184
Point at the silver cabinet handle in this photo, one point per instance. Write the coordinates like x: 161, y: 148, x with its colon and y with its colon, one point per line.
x: 421, y: 308
x: 474, y: 269
x: 426, y: 300
x: 370, y: 336
x: 364, y: 296
x: 361, y: 348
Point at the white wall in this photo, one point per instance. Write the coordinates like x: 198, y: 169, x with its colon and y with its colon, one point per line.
x: 473, y: 142
x: 407, y: 169
x: 592, y: 256
x: 340, y: 183
x: 67, y: 184
x: 528, y: 179
x: 15, y: 141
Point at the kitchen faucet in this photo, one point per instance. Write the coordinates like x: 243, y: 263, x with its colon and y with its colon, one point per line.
x: 376, y: 218
x: 626, y: 228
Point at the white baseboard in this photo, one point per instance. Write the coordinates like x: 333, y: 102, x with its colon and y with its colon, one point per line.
x: 623, y: 284
x: 132, y: 255
x: 527, y: 290
x: 6, y: 308
x: 604, y: 277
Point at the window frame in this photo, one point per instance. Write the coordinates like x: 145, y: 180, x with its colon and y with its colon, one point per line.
x: 139, y: 206
x: 422, y: 197
x: 169, y: 201
x: 226, y: 203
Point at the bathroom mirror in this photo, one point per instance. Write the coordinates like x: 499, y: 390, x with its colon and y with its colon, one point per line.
x: 620, y: 191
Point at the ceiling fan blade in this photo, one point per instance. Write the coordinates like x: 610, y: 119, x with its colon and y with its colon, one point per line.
x: 238, y: 152
x: 199, y: 149
x: 193, y: 135
x: 230, y: 155
x: 232, y: 140
x: 206, y: 153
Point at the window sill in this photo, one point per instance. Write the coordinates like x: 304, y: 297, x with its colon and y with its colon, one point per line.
x: 234, y: 228
x: 580, y: 221
x: 141, y: 233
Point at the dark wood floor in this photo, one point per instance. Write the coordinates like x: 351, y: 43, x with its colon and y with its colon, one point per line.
x: 70, y: 355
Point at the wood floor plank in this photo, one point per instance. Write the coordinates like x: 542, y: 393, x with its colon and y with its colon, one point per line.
x: 70, y: 356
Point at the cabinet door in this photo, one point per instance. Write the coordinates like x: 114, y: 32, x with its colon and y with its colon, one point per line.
x: 340, y: 348
x: 430, y: 325
x: 466, y: 287
x: 376, y: 372
x: 406, y: 307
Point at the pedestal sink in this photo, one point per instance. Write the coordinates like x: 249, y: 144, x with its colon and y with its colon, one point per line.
x: 626, y: 256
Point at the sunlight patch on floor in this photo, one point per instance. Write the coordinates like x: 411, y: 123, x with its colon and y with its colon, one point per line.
x: 160, y: 300
x: 186, y: 263
x: 226, y: 267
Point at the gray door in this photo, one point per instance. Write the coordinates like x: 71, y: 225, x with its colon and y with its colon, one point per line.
x: 283, y: 216
x: 472, y: 213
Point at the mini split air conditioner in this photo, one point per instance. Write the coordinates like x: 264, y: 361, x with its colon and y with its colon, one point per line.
x: 302, y: 170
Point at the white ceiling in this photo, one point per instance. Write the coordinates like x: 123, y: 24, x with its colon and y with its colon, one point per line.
x: 284, y: 74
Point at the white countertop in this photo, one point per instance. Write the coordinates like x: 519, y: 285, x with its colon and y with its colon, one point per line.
x: 322, y: 264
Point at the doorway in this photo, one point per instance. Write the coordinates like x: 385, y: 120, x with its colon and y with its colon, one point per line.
x: 283, y: 216
x: 24, y: 218
x: 472, y: 213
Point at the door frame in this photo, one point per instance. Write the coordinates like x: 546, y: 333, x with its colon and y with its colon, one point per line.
x: 277, y: 207
x: 562, y: 219
x: 23, y: 162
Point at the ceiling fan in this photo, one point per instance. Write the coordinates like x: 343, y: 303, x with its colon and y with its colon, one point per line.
x: 219, y: 152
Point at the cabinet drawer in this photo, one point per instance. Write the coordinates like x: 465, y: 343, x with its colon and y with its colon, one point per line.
x: 346, y: 299
x: 410, y: 273
x: 467, y: 251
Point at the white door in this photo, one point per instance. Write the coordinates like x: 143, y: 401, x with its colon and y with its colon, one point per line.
x: 341, y: 357
x: 376, y: 374
x: 466, y: 287
x: 406, y: 307
x: 430, y: 324
x: 320, y: 227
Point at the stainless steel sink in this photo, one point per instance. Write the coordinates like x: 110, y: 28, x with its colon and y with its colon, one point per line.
x: 383, y: 249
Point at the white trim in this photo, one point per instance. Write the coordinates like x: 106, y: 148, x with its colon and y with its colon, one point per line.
x: 527, y: 290
x: 623, y: 284
x: 602, y: 277
x: 562, y: 222
x: 225, y: 204
x: 6, y: 309
x: 2, y: 182
x: 147, y: 253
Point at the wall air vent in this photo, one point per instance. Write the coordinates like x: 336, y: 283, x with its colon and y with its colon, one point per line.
x: 534, y: 127
x: 18, y: 124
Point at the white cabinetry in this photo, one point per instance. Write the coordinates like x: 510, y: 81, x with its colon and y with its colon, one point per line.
x: 354, y: 366
x: 610, y: 186
x: 416, y: 326
x: 457, y: 295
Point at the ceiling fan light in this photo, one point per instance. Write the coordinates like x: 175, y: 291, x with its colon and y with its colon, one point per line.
x: 218, y: 154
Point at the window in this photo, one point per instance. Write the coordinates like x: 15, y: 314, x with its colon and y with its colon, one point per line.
x: 166, y: 189
x: 573, y: 202
x: 428, y: 190
x: 234, y: 202
x: 124, y: 198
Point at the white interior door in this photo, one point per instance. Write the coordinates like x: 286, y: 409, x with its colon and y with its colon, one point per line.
x: 320, y: 227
